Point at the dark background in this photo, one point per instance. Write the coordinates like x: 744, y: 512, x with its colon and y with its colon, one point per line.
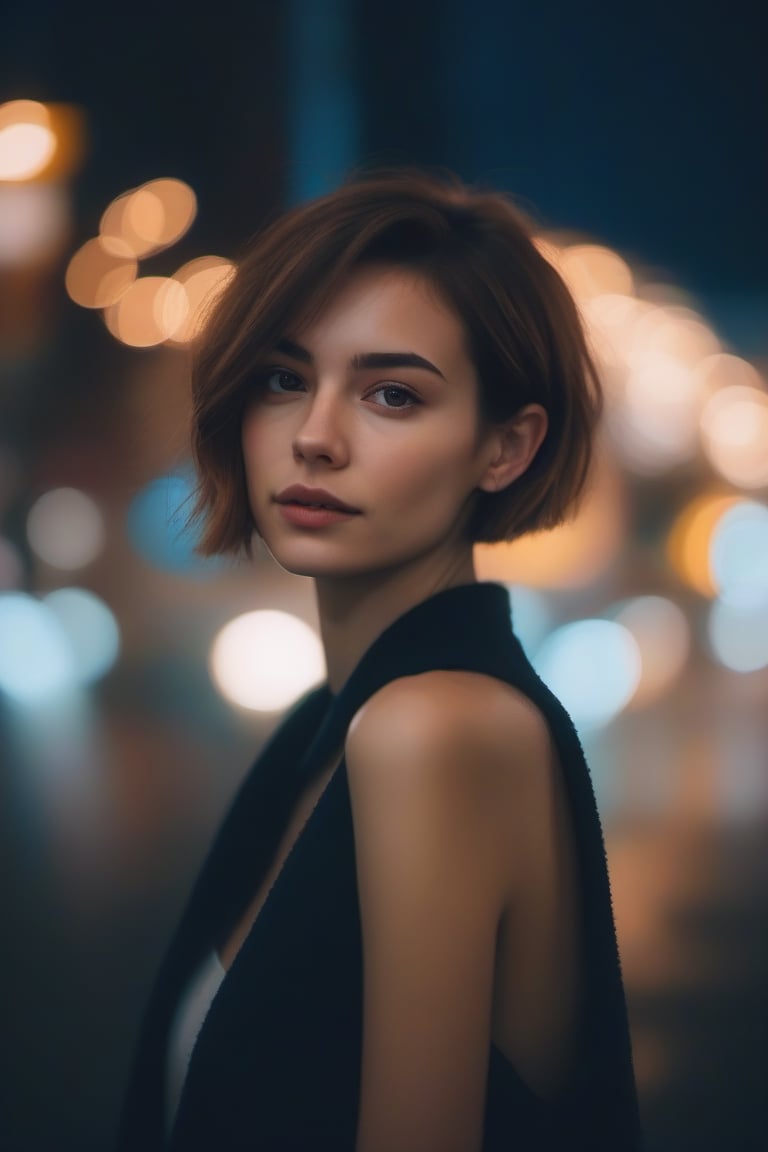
x: 643, y: 125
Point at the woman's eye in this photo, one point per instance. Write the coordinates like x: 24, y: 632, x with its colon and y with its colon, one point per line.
x: 279, y: 381
x: 395, y: 396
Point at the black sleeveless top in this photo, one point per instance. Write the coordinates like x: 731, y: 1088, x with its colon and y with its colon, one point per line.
x: 277, y: 1062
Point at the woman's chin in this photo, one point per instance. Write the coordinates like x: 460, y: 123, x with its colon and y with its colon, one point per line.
x: 297, y: 562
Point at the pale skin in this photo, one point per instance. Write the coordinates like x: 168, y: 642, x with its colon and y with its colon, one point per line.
x: 465, y: 864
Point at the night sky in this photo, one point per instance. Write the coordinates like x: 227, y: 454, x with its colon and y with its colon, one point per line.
x: 644, y: 126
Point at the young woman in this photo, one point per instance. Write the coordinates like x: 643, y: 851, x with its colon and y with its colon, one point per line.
x: 402, y: 938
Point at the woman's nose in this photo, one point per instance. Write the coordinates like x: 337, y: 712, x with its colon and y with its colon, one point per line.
x: 321, y: 435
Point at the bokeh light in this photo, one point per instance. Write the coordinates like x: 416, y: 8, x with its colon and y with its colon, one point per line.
x: 690, y: 539
x: 738, y: 635
x: 676, y: 330
x: 90, y: 628
x: 651, y: 354
x: 531, y: 615
x: 660, y: 630
x: 150, y: 310
x: 657, y: 424
x: 149, y: 218
x: 593, y: 666
x: 159, y: 530
x: 34, y: 223
x: 65, y: 528
x: 593, y: 270
x: 739, y: 554
x: 96, y: 278
x: 724, y: 370
x: 734, y: 432
x: 36, y: 663
x: 264, y: 660
x: 611, y: 319
x: 203, y: 280
x: 27, y: 142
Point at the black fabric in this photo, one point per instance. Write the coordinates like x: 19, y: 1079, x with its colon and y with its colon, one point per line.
x: 277, y: 1062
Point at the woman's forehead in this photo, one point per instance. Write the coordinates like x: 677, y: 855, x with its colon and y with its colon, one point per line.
x: 389, y: 305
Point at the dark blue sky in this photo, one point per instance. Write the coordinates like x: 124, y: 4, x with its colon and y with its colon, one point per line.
x: 645, y: 126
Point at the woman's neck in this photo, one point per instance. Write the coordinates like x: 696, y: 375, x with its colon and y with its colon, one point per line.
x: 355, y: 610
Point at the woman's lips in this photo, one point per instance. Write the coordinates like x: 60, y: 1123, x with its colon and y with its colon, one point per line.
x: 301, y: 494
x: 303, y: 516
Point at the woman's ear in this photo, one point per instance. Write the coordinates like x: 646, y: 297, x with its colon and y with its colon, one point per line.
x: 512, y: 446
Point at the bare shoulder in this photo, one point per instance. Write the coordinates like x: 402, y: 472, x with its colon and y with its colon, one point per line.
x: 478, y: 719
x: 438, y: 709
x: 459, y: 761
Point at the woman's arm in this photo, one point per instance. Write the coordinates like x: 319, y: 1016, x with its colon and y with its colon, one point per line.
x: 429, y: 775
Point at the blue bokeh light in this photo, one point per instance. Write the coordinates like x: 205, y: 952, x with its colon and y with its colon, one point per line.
x: 593, y: 667
x: 738, y: 635
x: 36, y: 663
x: 158, y: 528
x: 90, y: 628
x: 739, y: 554
x: 531, y: 615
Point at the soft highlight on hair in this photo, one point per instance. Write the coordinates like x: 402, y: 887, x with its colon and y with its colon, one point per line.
x: 475, y: 248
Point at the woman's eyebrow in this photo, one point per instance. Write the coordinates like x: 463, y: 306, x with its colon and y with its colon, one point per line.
x: 364, y: 359
x: 294, y: 350
x: 394, y: 360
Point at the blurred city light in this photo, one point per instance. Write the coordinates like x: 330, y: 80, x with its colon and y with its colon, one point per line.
x: 690, y: 538
x: 65, y: 528
x: 611, y: 320
x: 114, y: 235
x: 96, y: 278
x: 40, y: 141
x: 739, y: 554
x: 148, y: 219
x: 150, y: 310
x: 158, y: 528
x: 738, y: 635
x: 661, y: 632
x: 203, y: 280
x: 90, y: 628
x: 531, y: 616
x: 27, y: 142
x: 734, y: 430
x: 36, y: 662
x: 34, y: 223
x: 593, y: 270
x: 650, y: 356
x: 657, y: 425
x: 724, y: 370
x: 593, y: 667
x: 265, y: 660
x: 678, y: 331
x: 616, y: 314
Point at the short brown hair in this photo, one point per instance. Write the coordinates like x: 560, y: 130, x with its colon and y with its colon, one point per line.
x: 476, y: 248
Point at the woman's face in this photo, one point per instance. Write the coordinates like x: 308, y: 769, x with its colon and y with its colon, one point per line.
x: 375, y: 402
